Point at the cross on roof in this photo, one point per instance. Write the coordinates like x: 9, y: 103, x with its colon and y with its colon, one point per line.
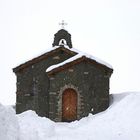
x: 62, y: 24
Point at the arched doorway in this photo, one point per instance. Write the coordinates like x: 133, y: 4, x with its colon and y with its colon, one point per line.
x: 69, y: 105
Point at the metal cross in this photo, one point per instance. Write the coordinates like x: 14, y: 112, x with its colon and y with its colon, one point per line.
x: 62, y: 24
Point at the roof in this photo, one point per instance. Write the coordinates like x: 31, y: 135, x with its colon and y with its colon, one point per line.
x: 79, y: 55
x: 62, y: 31
x: 76, y: 60
x: 42, y: 57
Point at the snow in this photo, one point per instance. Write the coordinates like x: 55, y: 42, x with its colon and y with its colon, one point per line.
x: 9, y: 127
x: 33, y: 127
x: 120, y: 121
x: 93, y: 57
x: 65, y: 62
x: 79, y: 54
x: 36, y: 55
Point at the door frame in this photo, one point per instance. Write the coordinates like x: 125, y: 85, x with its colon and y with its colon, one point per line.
x: 79, y: 101
x: 74, y: 96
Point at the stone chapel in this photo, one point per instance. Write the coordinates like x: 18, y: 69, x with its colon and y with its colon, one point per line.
x: 63, y: 84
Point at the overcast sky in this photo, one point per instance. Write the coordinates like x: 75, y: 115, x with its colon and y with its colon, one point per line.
x: 107, y: 29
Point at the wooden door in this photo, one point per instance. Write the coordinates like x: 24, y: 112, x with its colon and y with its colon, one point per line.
x: 69, y: 105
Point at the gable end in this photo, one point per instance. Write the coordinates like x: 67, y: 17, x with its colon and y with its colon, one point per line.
x: 77, y: 61
x: 42, y: 57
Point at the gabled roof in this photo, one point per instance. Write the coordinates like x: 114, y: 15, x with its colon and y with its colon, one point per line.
x: 43, y: 56
x: 74, y: 61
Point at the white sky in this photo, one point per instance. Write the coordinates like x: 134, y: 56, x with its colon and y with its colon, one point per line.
x: 107, y: 29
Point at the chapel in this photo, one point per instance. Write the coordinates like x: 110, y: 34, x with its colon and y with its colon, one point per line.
x: 63, y: 84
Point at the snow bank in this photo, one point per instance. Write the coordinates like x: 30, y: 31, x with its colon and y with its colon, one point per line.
x: 33, y: 127
x: 9, y: 128
x: 121, y: 121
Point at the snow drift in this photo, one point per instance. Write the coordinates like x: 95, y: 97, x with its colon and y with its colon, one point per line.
x: 33, y: 127
x: 9, y: 128
x: 120, y: 121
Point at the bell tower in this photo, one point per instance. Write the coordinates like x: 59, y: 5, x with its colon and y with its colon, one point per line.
x: 62, y: 37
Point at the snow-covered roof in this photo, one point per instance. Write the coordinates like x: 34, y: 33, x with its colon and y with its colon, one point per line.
x: 42, y: 56
x: 52, y: 49
x: 79, y: 55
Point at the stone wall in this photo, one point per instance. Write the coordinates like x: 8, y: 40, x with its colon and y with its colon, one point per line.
x: 43, y: 94
x: 91, y: 84
x: 33, y: 84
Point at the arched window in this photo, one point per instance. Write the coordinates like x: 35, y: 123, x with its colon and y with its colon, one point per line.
x: 62, y: 42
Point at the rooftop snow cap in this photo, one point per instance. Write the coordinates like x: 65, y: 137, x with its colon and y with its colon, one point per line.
x: 62, y: 38
x: 80, y: 56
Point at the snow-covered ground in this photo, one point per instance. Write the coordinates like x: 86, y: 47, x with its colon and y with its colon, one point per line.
x: 121, y: 121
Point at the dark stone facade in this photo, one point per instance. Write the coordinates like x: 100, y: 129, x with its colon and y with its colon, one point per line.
x: 33, y: 83
x: 42, y: 92
x: 91, y: 85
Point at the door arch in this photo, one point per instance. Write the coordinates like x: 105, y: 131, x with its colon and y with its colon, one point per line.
x: 69, y: 105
